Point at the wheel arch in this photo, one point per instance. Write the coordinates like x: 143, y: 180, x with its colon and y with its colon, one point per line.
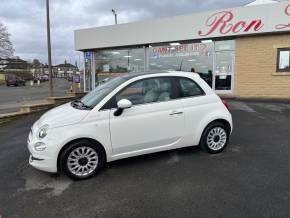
x: 75, y: 140
x: 225, y: 122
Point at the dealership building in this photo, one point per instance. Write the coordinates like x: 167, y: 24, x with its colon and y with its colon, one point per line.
x: 240, y: 52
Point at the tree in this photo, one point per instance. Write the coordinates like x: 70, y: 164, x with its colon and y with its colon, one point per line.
x: 6, y: 46
x: 36, y: 63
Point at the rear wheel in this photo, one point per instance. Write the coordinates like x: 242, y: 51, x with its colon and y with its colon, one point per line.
x: 82, y: 159
x: 214, y: 138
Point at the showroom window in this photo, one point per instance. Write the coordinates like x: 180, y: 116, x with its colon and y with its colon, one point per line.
x: 283, y: 60
x: 212, y: 60
x: 195, y: 57
x: 112, y: 63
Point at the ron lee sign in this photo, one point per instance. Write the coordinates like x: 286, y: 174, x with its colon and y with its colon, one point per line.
x: 229, y: 22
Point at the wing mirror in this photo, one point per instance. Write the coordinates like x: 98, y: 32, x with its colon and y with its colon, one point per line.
x: 122, y: 104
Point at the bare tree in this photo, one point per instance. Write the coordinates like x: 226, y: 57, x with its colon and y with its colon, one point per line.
x: 6, y: 46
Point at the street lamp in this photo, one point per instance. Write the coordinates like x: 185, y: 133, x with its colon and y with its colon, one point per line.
x: 115, y: 14
x: 49, y: 48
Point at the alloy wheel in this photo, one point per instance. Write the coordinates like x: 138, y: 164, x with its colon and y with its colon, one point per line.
x: 82, y: 161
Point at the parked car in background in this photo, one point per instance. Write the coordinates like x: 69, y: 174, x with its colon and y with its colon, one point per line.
x: 12, y: 80
x: 127, y: 116
x: 44, y: 78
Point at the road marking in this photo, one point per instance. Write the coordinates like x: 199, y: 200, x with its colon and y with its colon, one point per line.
x: 238, y: 105
x: 278, y: 107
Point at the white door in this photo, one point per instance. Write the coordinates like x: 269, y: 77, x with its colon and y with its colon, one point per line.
x: 154, y: 121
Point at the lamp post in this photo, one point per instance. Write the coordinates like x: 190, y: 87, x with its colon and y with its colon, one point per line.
x: 115, y: 14
x: 49, y: 48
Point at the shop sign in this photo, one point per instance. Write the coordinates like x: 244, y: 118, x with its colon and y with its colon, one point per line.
x: 226, y: 23
x: 182, y: 50
x: 285, y: 25
x: 267, y: 18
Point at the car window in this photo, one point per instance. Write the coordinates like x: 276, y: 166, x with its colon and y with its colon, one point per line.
x: 101, y: 91
x: 189, y: 88
x: 147, y: 91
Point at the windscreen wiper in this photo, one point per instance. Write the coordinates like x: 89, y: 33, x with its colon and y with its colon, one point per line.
x: 80, y: 105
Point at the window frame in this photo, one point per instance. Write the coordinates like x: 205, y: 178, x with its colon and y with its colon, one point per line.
x: 112, y: 103
x: 178, y: 87
x: 278, y: 60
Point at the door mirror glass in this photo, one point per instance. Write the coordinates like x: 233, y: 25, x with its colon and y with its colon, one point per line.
x: 124, y: 104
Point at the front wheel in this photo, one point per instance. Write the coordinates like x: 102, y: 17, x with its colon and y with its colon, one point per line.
x: 82, y: 159
x: 214, y: 138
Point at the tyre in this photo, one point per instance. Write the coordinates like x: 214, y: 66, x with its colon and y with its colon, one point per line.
x: 215, y: 138
x: 82, y: 159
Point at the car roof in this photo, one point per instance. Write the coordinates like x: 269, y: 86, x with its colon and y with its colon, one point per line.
x: 166, y: 73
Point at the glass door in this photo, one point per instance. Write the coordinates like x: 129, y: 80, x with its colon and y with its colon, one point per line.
x: 223, y: 72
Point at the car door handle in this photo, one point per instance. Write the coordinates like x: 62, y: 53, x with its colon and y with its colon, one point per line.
x: 175, y: 113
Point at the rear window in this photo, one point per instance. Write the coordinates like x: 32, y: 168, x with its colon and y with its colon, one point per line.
x: 188, y: 88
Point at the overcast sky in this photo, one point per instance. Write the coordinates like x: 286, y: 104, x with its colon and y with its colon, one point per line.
x: 26, y: 20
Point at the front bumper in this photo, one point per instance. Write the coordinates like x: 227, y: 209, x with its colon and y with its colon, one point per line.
x: 43, y: 164
x: 43, y: 160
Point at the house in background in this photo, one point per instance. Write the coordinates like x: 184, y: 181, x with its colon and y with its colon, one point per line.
x: 65, y: 70
x: 15, y: 66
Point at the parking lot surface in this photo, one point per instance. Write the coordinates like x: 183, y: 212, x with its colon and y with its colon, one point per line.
x: 250, y: 179
x: 12, y: 97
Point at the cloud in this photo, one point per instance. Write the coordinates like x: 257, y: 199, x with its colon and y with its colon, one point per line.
x: 26, y: 20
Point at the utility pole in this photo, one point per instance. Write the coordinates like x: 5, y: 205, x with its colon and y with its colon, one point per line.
x: 115, y: 14
x: 49, y: 48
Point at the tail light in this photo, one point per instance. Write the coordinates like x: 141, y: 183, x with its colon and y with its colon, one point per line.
x: 226, y: 104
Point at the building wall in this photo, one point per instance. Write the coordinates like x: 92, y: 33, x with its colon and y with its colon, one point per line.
x: 255, y: 67
x: 2, y: 77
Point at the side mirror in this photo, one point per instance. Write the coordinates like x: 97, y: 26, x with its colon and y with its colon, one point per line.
x: 122, y: 104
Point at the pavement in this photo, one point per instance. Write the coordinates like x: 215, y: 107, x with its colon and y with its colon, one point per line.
x: 250, y: 179
x: 12, y: 97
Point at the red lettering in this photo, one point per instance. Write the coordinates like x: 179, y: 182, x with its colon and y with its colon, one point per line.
x: 222, y: 22
x: 257, y: 24
x: 217, y: 19
x: 287, y: 10
x: 284, y: 26
x: 239, y: 26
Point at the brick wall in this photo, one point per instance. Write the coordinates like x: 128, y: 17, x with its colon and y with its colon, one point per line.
x: 255, y: 67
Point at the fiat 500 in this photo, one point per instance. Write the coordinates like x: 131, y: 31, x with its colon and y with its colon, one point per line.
x: 130, y: 115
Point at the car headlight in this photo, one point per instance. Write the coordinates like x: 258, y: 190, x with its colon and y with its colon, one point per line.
x: 43, y: 131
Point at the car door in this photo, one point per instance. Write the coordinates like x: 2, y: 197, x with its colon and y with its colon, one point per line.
x: 154, y: 122
x: 195, y: 107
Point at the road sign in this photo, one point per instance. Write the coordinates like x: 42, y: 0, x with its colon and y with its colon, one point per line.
x: 88, y: 55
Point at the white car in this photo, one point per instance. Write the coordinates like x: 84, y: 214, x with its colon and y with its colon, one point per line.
x: 131, y: 115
